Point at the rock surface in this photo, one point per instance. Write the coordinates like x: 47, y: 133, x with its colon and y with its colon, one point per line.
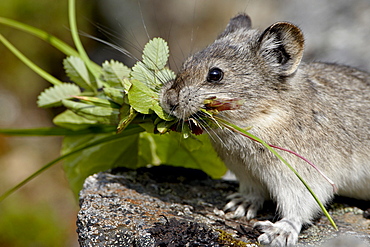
x: 168, y: 206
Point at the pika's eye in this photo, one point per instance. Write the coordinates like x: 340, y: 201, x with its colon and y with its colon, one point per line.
x: 215, y: 75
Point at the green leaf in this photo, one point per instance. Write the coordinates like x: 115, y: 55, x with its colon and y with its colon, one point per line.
x: 153, y: 79
x: 143, y: 74
x: 114, y: 72
x: 160, y: 112
x: 119, y: 152
x: 138, y: 150
x: 164, y: 126
x: 171, y: 148
x: 70, y: 120
x: 155, y: 54
x: 116, y: 94
x: 145, y: 100
x: 103, y: 115
x: 104, y: 140
x: 98, y: 101
x: 77, y: 72
x: 142, y: 98
x: 53, y: 96
x: 126, y: 84
x: 151, y: 71
x: 165, y: 75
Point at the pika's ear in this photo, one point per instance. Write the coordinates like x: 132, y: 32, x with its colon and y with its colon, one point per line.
x: 239, y: 21
x: 282, y: 45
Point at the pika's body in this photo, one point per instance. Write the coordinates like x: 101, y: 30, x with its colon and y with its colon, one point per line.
x: 319, y: 110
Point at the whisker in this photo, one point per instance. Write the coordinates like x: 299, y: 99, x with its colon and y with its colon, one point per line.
x: 116, y: 47
x: 110, y: 33
x: 143, y: 21
x: 207, y: 128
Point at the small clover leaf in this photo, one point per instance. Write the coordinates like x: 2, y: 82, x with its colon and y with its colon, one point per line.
x: 114, y: 72
x: 53, y: 96
x: 78, y: 72
x: 155, y: 54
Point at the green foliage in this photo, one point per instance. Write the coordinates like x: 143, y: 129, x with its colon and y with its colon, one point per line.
x: 78, y: 73
x: 152, y: 69
x: 70, y: 120
x: 120, y: 152
x: 114, y: 72
x: 142, y: 98
x: 53, y: 96
x: 128, y: 98
x: 138, y: 150
x: 145, y: 100
x: 155, y: 54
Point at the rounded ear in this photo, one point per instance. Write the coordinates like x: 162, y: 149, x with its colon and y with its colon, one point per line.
x: 239, y: 21
x: 282, y: 46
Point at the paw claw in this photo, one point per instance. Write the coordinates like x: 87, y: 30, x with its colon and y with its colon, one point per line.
x: 280, y: 234
x: 261, y: 225
x: 243, y: 205
x: 232, y: 204
x: 240, y: 211
x: 263, y: 239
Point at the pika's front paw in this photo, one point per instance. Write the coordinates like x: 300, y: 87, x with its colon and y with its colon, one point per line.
x: 280, y: 234
x: 243, y: 205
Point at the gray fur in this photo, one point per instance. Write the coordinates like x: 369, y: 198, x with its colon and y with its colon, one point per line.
x: 319, y: 110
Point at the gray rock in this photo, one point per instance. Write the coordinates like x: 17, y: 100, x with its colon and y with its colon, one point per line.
x: 168, y: 206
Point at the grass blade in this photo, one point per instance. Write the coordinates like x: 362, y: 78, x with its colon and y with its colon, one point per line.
x: 29, y: 63
x: 54, y: 41
x: 247, y: 134
x: 56, y: 131
x: 78, y: 43
x: 51, y: 39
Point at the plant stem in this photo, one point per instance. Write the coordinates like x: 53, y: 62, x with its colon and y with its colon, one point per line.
x: 78, y: 43
x: 247, y: 134
x: 57, y: 131
x: 29, y: 63
x: 54, y: 41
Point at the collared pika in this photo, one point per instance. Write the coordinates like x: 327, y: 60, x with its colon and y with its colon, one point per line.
x: 319, y: 110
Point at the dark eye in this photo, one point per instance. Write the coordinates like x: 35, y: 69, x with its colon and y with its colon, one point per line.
x: 215, y: 75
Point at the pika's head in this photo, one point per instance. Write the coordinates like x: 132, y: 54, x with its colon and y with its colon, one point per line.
x: 242, y: 63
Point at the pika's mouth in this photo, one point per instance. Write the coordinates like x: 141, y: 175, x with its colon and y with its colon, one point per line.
x: 214, y: 105
x: 203, y: 119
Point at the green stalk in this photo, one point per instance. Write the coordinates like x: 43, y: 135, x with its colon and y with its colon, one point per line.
x: 54, y: 41
x: 243, y: 132
x: 127, y: 132
x: 123, y: 123
x: 56, y: 131
x: 78, y: 43
x: 29, y: 63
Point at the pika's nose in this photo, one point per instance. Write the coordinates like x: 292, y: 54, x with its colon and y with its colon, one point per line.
x: 173, y: 99
x: 170, y: 102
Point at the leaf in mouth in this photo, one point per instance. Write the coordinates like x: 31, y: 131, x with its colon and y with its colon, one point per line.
x: 215, y: 105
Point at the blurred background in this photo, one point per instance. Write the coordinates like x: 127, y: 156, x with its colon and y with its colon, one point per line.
x: 43, y: 213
